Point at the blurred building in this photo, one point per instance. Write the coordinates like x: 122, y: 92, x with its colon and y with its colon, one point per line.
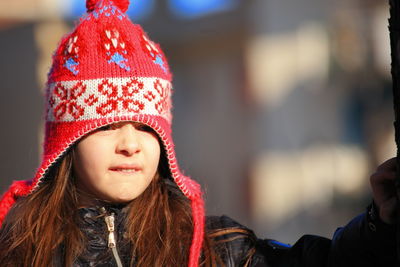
x: 282, y: 109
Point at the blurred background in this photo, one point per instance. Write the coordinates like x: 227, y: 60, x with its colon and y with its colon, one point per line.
x: 282, y: 108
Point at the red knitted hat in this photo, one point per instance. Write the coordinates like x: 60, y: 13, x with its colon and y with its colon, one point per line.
x: 107, y: 70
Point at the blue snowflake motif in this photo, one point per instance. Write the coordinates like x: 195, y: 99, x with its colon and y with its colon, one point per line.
x: 118, y: 59
x: 160, y: 62
x: 71, y: 64
x: 107, y: 10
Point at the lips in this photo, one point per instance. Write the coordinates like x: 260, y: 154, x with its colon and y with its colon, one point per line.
x: 126, y: 168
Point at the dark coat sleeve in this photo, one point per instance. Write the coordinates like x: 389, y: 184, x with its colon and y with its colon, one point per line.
x: 362, y: 242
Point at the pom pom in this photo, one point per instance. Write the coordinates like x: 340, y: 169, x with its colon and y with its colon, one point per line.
x: 18, y: 188
x: 121, y: 4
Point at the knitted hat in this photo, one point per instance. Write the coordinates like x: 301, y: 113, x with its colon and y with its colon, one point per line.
x: 107, y: 70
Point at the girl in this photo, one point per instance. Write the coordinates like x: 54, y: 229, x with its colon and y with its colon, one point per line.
x: 109, y: 191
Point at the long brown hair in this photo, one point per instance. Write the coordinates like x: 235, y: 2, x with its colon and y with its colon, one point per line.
x: 37, y: 224
x: 159, y: 224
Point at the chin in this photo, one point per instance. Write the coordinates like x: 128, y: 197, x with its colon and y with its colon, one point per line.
x: 122, y: 195
x: 122, y: 200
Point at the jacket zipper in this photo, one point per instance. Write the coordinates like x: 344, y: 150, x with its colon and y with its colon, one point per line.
x: 112, y: 242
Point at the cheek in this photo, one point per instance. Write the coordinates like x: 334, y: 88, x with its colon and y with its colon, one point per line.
x: 89, y: 161
x: 154, y: 156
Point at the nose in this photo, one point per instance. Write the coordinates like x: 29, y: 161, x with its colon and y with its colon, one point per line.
x: 128, y: 142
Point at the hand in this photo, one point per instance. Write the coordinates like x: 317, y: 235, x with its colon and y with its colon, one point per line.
x: 384, y: 190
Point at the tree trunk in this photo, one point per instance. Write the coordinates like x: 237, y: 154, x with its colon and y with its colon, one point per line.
x: 394, y: 30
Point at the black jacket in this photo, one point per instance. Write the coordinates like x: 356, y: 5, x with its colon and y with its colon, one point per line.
x: 363, y: 242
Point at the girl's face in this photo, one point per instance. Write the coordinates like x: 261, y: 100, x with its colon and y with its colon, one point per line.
x: 117, y: 162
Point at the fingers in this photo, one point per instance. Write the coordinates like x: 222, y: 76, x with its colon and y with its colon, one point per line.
x: 389, y: 165
x: 385, y: 173
x: 383, y: 186
x: 383, y: 177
